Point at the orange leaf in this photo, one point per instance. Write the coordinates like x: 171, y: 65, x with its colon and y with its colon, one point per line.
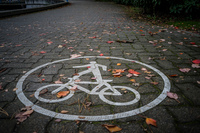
x: 151, y: 121
x: 133, y: 71
x: 133, y: 80
x: 62, y: 94
x: 112, y: 128
x: 118, y: 71
x: 118, y: 64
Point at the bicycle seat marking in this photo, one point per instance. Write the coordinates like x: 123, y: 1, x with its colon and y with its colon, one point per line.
x: 101, y: 88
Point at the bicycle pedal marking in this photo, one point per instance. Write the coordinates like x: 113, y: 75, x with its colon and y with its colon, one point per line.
x: 93, y: 67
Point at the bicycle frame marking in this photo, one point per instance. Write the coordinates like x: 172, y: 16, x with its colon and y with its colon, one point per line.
x: 133, y: 112
x: 94, y: 68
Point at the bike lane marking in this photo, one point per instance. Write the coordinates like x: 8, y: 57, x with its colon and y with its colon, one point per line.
x: 46, y: 112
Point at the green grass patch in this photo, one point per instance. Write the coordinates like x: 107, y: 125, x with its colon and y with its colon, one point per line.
x: 193, y: 25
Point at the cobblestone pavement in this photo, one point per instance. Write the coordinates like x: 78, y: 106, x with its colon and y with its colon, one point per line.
x: 28, y: 42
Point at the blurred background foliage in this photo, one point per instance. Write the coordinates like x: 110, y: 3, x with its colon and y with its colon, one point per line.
x: 179, y: 8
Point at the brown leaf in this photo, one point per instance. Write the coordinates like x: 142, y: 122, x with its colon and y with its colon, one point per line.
x: 62, y: 94
x: 58, y: 82
x: 74, y: 88
x: 112, y: 128
x: 154, y: 83
x: 64, y: 111
x: 28, y: 112
x: 81, y: 117
x: 43, y: 91
x: 20, y: 117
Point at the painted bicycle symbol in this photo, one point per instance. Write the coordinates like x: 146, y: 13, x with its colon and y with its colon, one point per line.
x: 93, y: 67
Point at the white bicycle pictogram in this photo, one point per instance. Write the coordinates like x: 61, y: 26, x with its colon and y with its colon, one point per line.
x: 108, y: 90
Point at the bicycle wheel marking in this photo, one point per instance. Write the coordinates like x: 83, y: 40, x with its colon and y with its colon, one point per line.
x: 50, y: 113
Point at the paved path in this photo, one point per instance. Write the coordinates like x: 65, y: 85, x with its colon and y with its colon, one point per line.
x: 84, y: 28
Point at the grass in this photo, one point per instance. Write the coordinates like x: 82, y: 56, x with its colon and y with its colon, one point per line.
x: 164, y: 20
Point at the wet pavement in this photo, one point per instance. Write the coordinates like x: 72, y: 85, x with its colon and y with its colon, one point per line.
x: 106, y: 67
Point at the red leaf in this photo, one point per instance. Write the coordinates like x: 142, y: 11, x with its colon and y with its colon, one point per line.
x: 193, y: 43
x: 110, y: 42
x: 151, y: 121
x: 101, y: 54
x: 197, y: 61
x: 43, y: 52
x: 133, y: 71
x: 174, y: 75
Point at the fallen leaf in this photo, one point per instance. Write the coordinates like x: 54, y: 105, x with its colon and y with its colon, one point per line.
x: 93, y: 37
x: 198, y: 82
x: 58, y: 82
x: 143, y: 69
x: 164, y: 50
x: 58, y: 120
x: 162, y: 40
x: 62, y: 94
x: 64, y: 111
x: 133, y: 71
x: 184, y: 69
x: 136, y: 84
x: 129, y: 75
x: 74, y: 88
x: 28, y: 112
x: 81, y: 117
x: 118, y: 71
x: 43, y: 91
x: 154, y: 83
x: 147, y: 77
x: 93, y: 78
x: 117, y: 74
x: 174, y: 75
x: 112, y: 128
x: 90, y: 49
x: 75, y: 56
x: 70, y: 47
x: 15, y: 89
x: 195, y: 66
x: 151, y: 121
x: 110, y: 42
x: 133, y: 80
x: 101, y: 54
x: 193, y: 43
x: 173, y: 96
x: 49, y: 42
x: 119, y: 64
x: 60, y: 46
x: 197, y: 61
x: 42, y: 52
x: 20, y: 117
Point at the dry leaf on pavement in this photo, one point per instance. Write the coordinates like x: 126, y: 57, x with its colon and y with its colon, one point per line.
x: 151, y: 121
x: 62, y: 94
x: 173, y: 96
x: 112, y: 128
x: 184, y: 69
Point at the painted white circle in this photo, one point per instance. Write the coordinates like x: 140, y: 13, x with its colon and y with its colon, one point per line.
x: 137, y: 96
x: 50, y: 113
